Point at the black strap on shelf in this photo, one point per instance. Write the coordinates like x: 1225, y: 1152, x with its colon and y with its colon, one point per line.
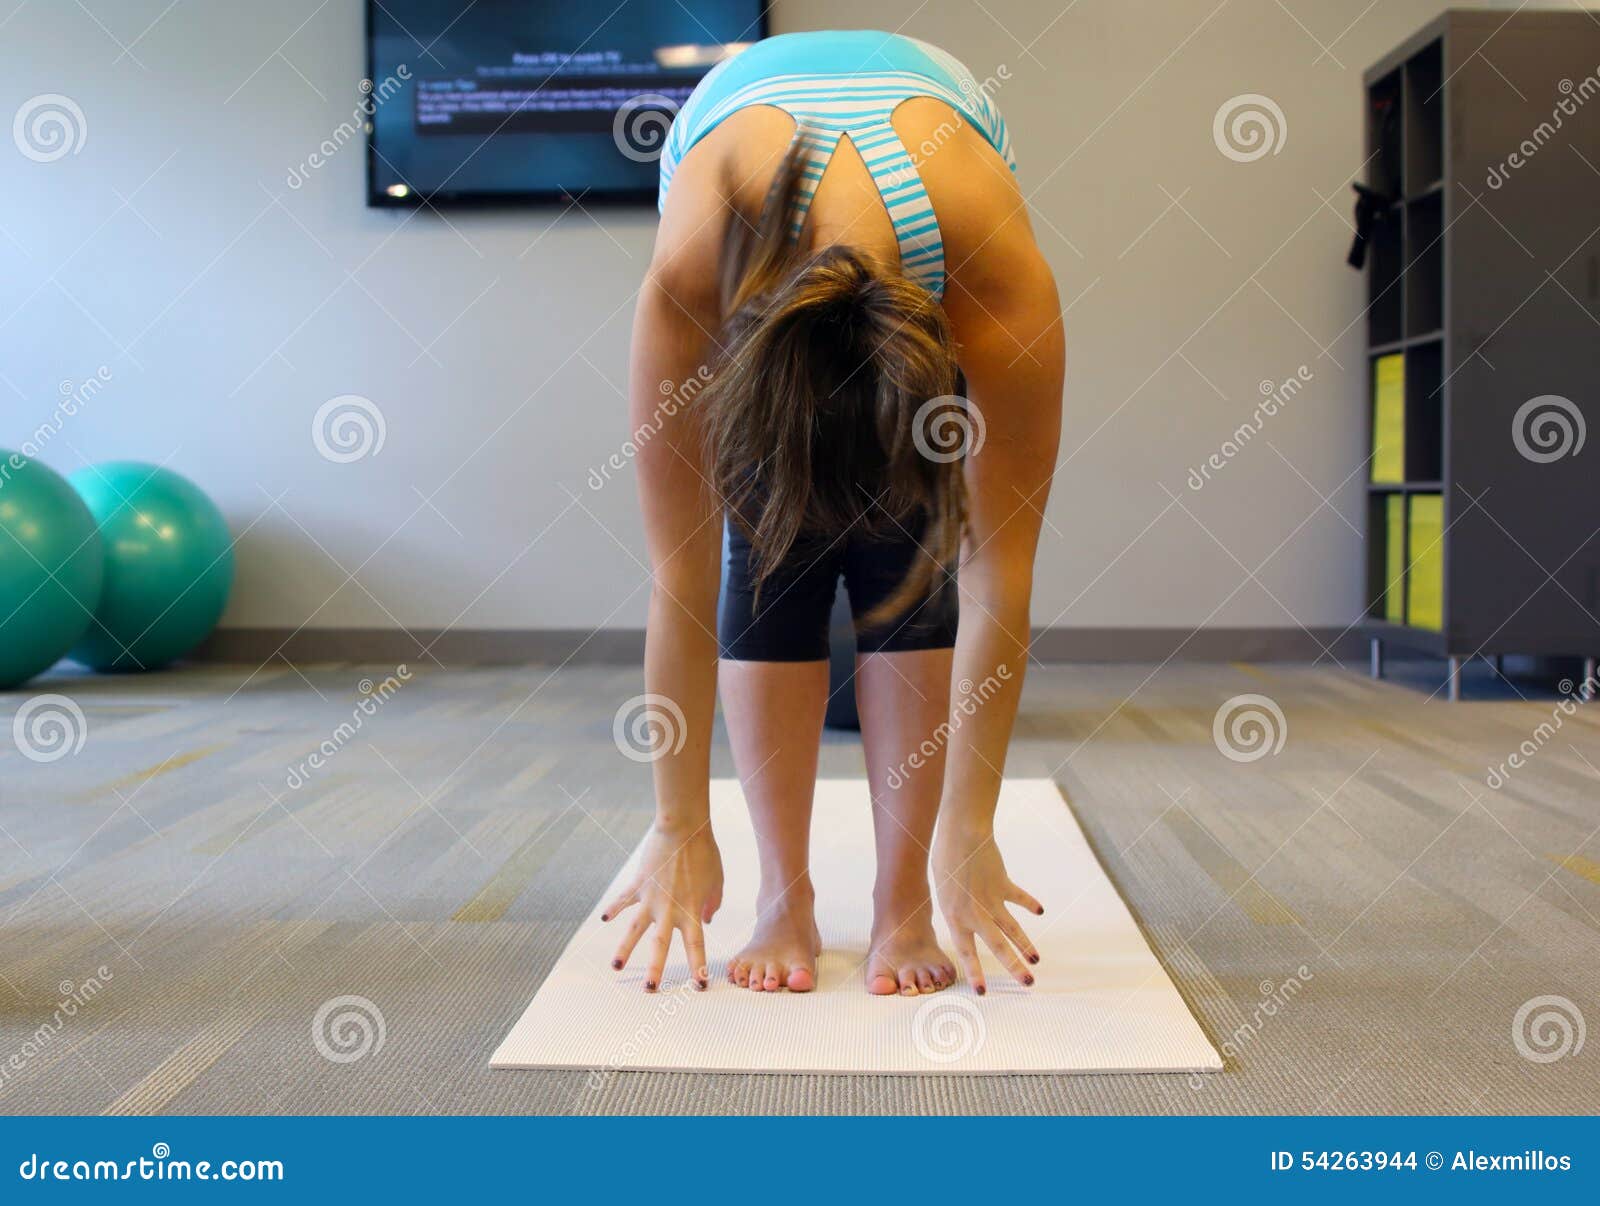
x: 1371, y: 209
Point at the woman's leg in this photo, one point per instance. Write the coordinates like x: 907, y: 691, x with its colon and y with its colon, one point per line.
x: 904, y: 699
x: 774, y: 715
x: 774, y: 684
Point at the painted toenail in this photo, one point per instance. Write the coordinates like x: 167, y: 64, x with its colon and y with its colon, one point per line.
x: 616, y: 964
x: 1028, y: 980
x: 649, y: 985
x: 982, y: 990
x: 1033, y: 958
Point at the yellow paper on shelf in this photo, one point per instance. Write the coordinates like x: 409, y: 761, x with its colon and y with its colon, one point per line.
x: 1425, y: 579
x: 1389, y: 418
x: 1394, y: 559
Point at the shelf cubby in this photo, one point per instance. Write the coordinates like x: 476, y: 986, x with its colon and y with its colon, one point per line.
x: 1386, y: 297
x: 1385, y: 135
x: 1424, y: 271
x: 1424, y: 454
x: 1386, y: 557
x: 1423, y: 137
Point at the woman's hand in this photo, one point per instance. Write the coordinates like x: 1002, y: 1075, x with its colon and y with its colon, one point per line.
x: 679, y: 887
x: 974, y: 891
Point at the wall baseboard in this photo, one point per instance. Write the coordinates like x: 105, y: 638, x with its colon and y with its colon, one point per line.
x: 623, y: 646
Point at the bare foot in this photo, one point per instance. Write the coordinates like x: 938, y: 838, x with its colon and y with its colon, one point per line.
x: 783, y: 950
x: 904, y: 956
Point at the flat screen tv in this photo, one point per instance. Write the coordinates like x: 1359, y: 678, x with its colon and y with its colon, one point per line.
x: 508, y: 101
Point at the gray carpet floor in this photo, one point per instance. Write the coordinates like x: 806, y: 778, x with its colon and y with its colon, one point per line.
x: 1357, y: 920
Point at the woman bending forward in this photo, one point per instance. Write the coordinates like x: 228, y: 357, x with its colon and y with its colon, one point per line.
x: 843, y: 251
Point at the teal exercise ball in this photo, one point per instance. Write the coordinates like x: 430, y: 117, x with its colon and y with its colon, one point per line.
x: 50, y: 568
x: 168, y: 566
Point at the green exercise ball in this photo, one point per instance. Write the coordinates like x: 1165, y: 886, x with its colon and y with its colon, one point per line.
x: 168, y: 566
x: 50, y: 568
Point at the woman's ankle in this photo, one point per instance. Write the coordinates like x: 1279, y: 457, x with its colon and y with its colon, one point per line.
x: 786, y: 888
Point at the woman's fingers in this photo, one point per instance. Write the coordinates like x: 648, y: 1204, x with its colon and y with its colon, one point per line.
x: 1017, y: 896
x: 659, y: 950
x: 967, y: 953
x: 995, y: 939
x: 636, y: 930
x: 1018, y: 936
x: 626, y: 900
x: 694, y: 945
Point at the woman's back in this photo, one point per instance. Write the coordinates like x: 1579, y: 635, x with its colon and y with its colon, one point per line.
x: 908, y: 157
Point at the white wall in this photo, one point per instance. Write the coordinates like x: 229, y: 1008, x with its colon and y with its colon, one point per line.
x: 227, y: 308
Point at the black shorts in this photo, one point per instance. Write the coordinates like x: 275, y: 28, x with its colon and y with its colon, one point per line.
x: 791, y: 622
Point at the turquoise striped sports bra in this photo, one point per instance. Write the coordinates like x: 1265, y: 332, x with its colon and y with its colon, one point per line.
x: 846, y: 82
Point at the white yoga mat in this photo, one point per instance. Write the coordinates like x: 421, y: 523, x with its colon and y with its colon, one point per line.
x: 1101, y: 1003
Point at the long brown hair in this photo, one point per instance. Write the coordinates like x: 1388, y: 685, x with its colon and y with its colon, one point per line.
x: 829, y: 363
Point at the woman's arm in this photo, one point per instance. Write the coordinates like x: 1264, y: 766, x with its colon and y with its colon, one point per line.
x: 680, y: 877
x: 1006, y: 316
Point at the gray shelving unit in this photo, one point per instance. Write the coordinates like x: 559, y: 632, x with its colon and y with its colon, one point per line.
x: 1485, y: 276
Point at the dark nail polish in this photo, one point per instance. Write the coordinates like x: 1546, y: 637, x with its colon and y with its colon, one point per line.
x: 1033, y: 958
x: 1028, y: 980
x: 616, y: 965
x: 605, y: 917
x: 700, y: 985
x: 1039, y: 911
x: 649, y: 985
x: 981, y: 990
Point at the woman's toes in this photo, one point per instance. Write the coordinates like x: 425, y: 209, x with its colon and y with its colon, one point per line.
x: 882, y: 984
x: 801, y: 979
x: 908, y: 982
x: 770, y: 980
x: 924, y: 980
